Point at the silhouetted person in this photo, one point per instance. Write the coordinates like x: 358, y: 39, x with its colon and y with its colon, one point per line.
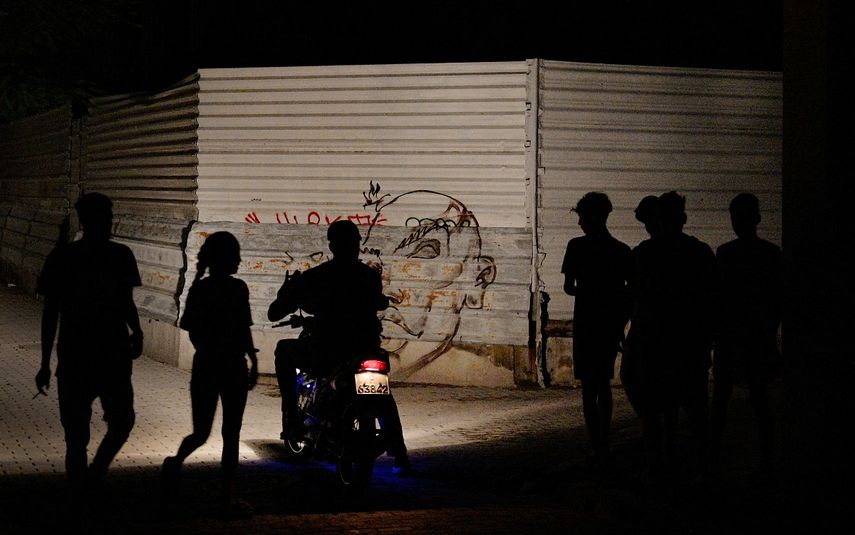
x: 630, y: 364
x: 596, y: 271
x: 749, y: 312
x: 217, y: 318
x: 674, y: 284
x: 88, y: 291
x: 344, y: 296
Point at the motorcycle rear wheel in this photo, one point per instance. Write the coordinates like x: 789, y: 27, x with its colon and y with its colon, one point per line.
x: 356, y: 463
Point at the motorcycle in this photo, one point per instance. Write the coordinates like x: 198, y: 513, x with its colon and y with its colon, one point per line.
x: 341, y: 412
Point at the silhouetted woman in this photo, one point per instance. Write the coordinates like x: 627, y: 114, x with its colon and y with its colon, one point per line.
x: 217, y: 318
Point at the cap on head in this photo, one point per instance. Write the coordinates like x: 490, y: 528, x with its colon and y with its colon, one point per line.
x: 594, y: 207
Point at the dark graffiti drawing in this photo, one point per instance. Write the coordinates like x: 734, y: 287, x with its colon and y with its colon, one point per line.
x: 432, y: 268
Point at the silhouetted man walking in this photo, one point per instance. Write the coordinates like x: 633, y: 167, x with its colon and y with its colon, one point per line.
x: 749, y: 312
x: 596, y: 271
x: 88, y: 290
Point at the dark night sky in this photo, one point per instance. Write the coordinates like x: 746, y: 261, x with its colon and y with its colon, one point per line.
x: 726, y: 34
x: 51, y: 47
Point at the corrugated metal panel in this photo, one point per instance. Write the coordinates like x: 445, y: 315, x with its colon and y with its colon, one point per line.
x: 439, y: 296
x: 38, y: 171
x: 140, y: 150
x: 389, y: 147
x: 635, y: 131
x: 288, y: 143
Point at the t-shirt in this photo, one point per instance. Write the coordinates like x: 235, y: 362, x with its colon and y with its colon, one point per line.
x: 344, y: 297
x: 217, y: 316
x: 92, y: 281
x: 674, y: 288
x: 601, y: 268
x: 750, y: 276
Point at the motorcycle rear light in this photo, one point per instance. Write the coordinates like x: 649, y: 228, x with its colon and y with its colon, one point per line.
x: 374, y: 366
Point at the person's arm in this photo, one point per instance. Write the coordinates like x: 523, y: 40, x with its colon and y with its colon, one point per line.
x: 287, y: 300
x: 381, y: 301
x: 132, y: 318
x: 568, y: 271
x: 253, y: 359
x: 133, y: 321
x: 50, y: 319
x: 249, y: 346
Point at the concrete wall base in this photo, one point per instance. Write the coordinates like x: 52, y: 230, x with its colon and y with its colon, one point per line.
x: 161, y: 341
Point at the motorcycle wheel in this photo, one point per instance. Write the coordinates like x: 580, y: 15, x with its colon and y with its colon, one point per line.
x: 356, y: 463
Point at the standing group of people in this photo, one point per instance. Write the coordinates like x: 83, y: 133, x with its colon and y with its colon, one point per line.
x: 682, y: 303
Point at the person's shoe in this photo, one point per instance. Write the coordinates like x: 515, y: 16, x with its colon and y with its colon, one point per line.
x: 95, y: 481
x: 402, y: 465
x: 171, y: 473
x: 293, y: 430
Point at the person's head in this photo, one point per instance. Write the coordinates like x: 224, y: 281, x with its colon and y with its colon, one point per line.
x: 344, y: 239
x: 672, y: 213
x: 95, y: 213
x: 647, y: 212
x: 745, y: 215
x: 219, y: 254
x: 593, y: 209
x: 428, y: 252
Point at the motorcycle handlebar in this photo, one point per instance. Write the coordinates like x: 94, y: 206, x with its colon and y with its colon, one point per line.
x: 294, y: 321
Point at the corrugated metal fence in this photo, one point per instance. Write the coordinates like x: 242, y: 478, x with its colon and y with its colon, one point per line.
x: 390, y: 147
x: 636, y: 131
x: 38, y: 182
x: 281, y: 144
x: 436, y: 163
x: 140, y: 150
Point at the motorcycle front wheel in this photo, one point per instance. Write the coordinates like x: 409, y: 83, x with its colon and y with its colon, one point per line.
x: 356, y: 462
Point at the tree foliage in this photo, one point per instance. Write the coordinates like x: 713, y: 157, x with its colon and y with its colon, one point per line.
x: 52, y: 51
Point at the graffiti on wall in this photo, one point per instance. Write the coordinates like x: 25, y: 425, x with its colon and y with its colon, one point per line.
x: 312, y: 217
x: 432, y: 269
x: 427, y: 247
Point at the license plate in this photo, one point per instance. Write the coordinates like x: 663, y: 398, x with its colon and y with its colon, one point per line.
x: 372, y: 383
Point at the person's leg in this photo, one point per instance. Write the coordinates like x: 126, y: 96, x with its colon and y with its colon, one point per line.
x: 630, y: 372
x: 651, y: 431
x: 722, y: 392
x: 591, y: 413
x: 759, y: 398
x: 394, y: 431
x: 233, y: 394
x: 117, y: 400
x: 203, y: 401
x: 604, y: 412
x: 75, y: 396
x: 670, y: 453
x: 695, y: 399
x: 287, y: 357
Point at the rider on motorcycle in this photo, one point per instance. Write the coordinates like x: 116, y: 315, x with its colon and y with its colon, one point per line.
x: 344, y: 296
